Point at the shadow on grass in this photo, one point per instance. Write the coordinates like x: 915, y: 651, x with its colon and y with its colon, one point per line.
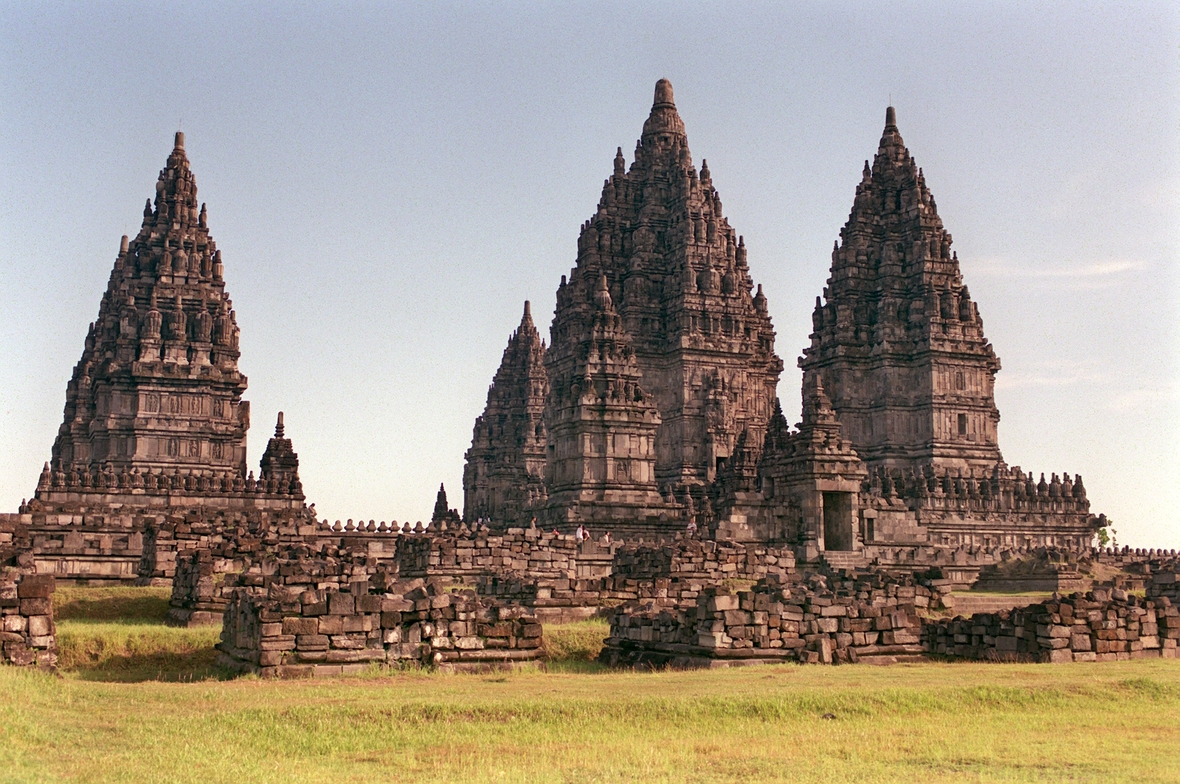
x: 129, y: 605
x: 168, y: 667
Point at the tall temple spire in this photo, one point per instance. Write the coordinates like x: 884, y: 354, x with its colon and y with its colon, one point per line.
x: 676, y: 272
x: 897, y: 339
x: 505, y: 466
x: 601, y: 423
x: 158, y: 386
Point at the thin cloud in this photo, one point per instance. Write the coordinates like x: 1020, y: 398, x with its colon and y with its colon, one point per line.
x: 1054, y: 374
x: 1097, y: 269
x: 1146, y: 398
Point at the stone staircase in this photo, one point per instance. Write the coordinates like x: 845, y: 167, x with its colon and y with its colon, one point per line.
x: 845, y: 559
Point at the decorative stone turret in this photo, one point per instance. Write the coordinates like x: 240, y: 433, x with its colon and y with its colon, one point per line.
x: 677, y: 275
x: 810, y: 482
x: 897, y: 339
x: 443, y: 515
x: 280, y: 464
x: 158, y: 386
x: 601, y: 421
x: 505, y: 466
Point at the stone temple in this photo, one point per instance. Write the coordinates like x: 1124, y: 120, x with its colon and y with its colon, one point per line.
x: 898, y: 341
x: 661, y: 354
x: 652, y: 415
x: 505, y: 468
x: 655, y: 405
x: 651, y: 412
x: 898, y: 442
x: 154, y: 415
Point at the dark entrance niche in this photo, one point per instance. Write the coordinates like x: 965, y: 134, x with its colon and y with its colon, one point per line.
x: 837, y: 521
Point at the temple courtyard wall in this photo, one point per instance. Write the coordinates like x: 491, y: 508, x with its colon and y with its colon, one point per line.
x: 328, y: 616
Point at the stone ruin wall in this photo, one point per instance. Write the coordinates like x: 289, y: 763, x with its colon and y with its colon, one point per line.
x: 28, y: 635
x: 1007, y: 509
x: 205, y: 560
x: 678, y: 571
x: 875, y: 617
x: 1099, y: 625
x: 96, y: 530
x: 561, y: 579
x: 328, y: 616
x: 101, y: 546
x: 803, y: 618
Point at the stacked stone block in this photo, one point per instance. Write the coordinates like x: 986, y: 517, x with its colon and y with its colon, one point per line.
x: 1097, y: 626
x: 206, y: 574
x: 227, y: 535
x: 27, y: 632
x: 870, y: 617
x: 704, y: 560
x: 303, y: 626
x: 467, y: 555
x: 678, y: 572
x: 102, y: 547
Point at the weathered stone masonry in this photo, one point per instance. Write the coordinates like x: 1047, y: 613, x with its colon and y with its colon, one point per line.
x: 330, y: 616
x: 27, y: 632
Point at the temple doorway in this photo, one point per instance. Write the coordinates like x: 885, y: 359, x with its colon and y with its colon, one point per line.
x: 838, y: 521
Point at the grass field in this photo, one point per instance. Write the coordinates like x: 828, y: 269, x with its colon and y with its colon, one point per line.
x: 579, y: 723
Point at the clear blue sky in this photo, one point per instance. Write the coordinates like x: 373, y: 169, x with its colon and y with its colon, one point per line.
x: 388, y: 183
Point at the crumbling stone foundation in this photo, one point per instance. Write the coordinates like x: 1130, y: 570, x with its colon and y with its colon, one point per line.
x: 27, y: 633
x: 308, y: 631
x: 1097, y: 626
x: 866, y: 618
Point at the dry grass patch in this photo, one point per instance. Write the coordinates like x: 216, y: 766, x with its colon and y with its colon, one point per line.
x: 574, y: 643
x: 933, y: 722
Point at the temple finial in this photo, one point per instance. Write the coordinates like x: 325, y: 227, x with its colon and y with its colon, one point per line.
x: 602, y: 297
x: 179, y: 140
x: 279, y: 426
x: 890, y: 118
x: 663, y: 94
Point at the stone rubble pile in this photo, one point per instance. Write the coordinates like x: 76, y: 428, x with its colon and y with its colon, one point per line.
x: 327, y: 616
x: 703, y: 559
x: 810, y: 620
x: 27, y: 632
x: 677, y: 571
x: 206, y: 559
x: 1096, y: 626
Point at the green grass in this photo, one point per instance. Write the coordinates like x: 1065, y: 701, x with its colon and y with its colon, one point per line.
x: 930, y: 722
x: 118, y: 634
x: 574, y: 646
x: 136, y: 651
x: 118, y: 603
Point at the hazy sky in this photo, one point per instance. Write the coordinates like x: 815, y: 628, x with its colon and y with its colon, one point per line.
x: 388, y: 183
